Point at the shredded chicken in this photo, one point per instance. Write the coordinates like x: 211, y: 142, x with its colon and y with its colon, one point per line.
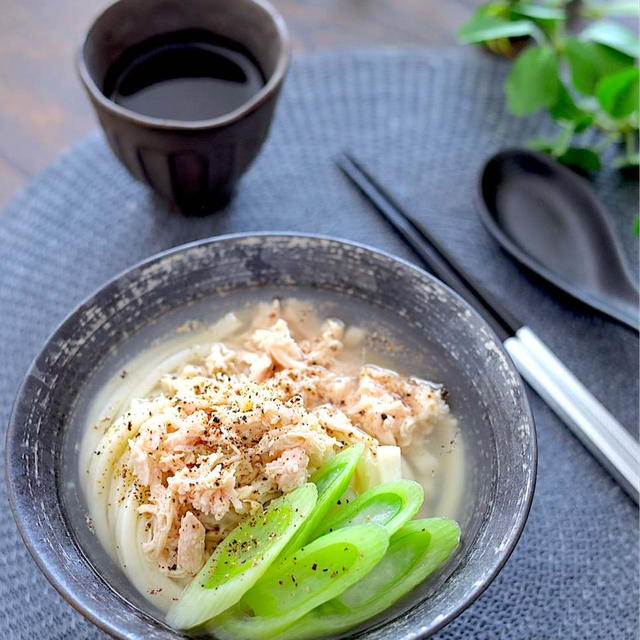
x: 230, y: 432
x: 191, y: 539
x: 290, y: 469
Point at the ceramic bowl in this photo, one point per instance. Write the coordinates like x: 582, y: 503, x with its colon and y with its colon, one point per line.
x: 449, y: 342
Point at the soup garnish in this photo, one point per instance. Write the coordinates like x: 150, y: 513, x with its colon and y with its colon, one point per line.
x: 342, y: 577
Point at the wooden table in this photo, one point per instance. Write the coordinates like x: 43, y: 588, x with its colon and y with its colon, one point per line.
x: 43, y: 109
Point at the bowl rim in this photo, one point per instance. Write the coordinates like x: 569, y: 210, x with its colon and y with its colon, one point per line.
x: 266, y: 91
x: 30, y: 539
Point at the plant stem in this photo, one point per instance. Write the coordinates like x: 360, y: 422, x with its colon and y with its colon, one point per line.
x: 630, y: 142
x: 562, y: 142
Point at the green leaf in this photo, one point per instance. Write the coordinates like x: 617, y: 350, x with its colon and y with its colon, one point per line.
x: 414, y: 553
x: 391, y: 504
x: 483, y: 28
x: 584, y: 158
x: 610, y: 8
x: 581, y: 157
x: 636, y: 226
x: 241, y: 559
x: 499, y: 8
x: 539, y: 12
x: 533, y: 82
x: 545, y: 145
x: 614, y: 35
x: 589, y: 62
x: 619, y: 94
x: 583, y: 123
x: 318, y: 572
x: 566, y: 110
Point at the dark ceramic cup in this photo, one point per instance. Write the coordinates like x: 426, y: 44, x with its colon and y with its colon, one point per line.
x: 194, y: 164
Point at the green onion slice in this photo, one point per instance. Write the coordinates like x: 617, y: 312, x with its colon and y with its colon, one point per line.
x: 391, y: 504
x: 331, y: 480
x: 242, y: 558
x: 314, y: 574
x: 415, y: 551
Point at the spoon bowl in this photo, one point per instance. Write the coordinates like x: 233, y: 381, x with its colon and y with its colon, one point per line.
x: 552, y: 222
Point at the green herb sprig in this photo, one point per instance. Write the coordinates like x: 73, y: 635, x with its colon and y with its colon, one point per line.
x: 586, y: 81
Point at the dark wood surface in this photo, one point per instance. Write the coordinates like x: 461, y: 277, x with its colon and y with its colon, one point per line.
x: 43, y: 109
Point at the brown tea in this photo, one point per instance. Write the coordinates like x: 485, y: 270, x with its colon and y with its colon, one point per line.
x: 184, y: 76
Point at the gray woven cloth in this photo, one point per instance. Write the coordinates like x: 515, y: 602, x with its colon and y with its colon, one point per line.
x: 422, y: 121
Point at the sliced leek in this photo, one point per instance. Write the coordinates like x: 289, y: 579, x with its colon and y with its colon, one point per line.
x: 241, y: 559
x: 316, y: 573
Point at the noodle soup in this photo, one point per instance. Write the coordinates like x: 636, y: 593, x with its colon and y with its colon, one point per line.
x: 201, y: 433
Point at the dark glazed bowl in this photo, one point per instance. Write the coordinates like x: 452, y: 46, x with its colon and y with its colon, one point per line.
x: 459, y: 349
x: 194, y: 164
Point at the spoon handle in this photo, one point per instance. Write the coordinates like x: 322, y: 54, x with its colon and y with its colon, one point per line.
x: 598, y: 430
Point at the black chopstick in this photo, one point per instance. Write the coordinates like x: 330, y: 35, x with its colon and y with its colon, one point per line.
x: 433, y: 255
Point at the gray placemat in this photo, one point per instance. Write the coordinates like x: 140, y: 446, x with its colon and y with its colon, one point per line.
x: 423, y: 121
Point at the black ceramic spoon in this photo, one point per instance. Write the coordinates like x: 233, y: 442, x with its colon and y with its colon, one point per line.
x: 552, y: 222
